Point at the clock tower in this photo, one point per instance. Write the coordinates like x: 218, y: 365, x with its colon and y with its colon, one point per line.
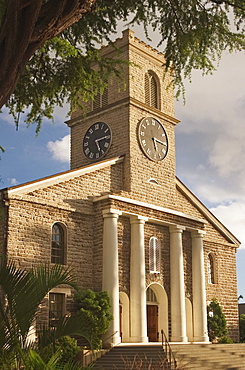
x: 136, y: 121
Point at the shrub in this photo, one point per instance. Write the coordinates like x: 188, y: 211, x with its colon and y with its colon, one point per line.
x: 95, y: 307
x: 66, y: 345
x: 242, y: 327
x: 216, y: 321
x: 225, y: 340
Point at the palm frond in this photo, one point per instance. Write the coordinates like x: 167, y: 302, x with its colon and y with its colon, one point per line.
x: 67, y: 326
x: 23, y: 291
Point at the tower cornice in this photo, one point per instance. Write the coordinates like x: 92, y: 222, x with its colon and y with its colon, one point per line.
x: 120, y: 103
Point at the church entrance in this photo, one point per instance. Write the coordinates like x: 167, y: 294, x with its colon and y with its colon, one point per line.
x: 157, y: 312
x: 152, y: 316
x: 152, y: 323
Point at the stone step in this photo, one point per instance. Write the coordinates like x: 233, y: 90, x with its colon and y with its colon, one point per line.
x: 210, y: 356
x: 133, y: 357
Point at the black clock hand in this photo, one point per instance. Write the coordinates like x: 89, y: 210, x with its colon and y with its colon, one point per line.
x: 155, y: 144
x: 97, y: 140
x: 159, y: 141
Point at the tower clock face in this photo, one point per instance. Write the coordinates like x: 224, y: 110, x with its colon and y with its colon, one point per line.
x: 97, y: 141
x: 153, y: 139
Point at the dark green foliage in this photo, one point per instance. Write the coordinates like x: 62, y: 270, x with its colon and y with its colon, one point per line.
x: 94, y: 306
x: 193, y: 35
x: 62, y: 73
x: 67, y: 346
x: 242, y: 327
x: 216, y: 321
x: 23, y: 292
x: 225, y: 340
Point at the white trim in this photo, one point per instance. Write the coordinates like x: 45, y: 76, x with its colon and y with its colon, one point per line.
x: 66, y: 291
x: 147, y: 205
x: 63, y: 176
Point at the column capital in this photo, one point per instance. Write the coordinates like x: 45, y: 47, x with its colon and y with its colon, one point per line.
x: 111, y: 212
x: 198, y: 233
x: 176, y: 229
x: 138, y: 219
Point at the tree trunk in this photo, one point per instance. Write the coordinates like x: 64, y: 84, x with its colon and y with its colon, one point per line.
x: 25, y: 27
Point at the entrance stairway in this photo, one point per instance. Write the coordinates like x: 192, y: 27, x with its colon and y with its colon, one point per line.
x: 210, y: 356
x: 125, y: 357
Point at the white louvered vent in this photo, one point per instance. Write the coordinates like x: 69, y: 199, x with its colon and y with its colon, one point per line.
x: 154, y: 255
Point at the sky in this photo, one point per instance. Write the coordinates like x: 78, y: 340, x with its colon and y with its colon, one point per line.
x: 210, y: 145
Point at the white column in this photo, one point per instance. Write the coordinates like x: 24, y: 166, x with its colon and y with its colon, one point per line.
x: 110, y: 280
x: 137, y: 282
x: 198, y: 287
x: 178, y: 313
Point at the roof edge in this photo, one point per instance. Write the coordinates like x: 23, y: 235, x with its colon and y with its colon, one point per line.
x: 61, y: 177
x: 206, y: 212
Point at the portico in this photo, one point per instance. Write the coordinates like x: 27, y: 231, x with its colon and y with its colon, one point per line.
x: 137, y: 320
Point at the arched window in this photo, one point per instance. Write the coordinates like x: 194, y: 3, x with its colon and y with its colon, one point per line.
x: 151, y: 90
x: 151, y: 296
x: 211, y: 273
x: 154, y: 255
x: 58, y: 244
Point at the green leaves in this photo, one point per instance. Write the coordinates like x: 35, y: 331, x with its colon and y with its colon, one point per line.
x: 94, y: 307
x: 58, y: 73
x: 216, y: 321
x: 194, y: 33
x: 23, y: 292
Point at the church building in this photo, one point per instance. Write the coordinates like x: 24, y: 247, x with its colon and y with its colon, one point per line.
x: 122, y: 220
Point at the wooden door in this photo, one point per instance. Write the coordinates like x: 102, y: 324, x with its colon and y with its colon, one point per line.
x: 152, y: 323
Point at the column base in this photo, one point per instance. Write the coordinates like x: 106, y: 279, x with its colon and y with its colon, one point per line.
x: 201, y: 338
x: 137, y: 339
x: 111, y: 341
x: 179, y: 339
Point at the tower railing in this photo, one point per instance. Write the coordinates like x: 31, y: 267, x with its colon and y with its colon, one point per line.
x: 168, y: 351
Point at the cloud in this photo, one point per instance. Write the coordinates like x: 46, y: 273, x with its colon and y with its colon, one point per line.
x: 59, y: 117
x: 233, y: 217
x: 6, y: 117
x: 13, y: 181
x: 60, y: 149
x: 227, y: 153
x: 211, y: 137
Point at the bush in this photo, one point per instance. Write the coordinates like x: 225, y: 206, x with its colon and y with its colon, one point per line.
x: 242, y: 327
x: 66, y: 345
x: 94, y: 307
x: 216, y: 321
x: 225, y: 340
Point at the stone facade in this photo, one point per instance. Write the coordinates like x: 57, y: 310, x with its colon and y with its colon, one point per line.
x: 113, y: 208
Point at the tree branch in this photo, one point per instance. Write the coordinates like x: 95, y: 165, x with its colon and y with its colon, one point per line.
x: 26, y: 26
x: 232, y: 4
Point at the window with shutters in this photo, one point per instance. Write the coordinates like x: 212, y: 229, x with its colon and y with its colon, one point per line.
x: 56, y: 308
x: 58, y: 249
x: 154, y: 255
x: 151, y: 90
x: 211, y: 272
x: 101, y: 100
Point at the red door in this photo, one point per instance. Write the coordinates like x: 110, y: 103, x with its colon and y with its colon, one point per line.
x: 152, y: 323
